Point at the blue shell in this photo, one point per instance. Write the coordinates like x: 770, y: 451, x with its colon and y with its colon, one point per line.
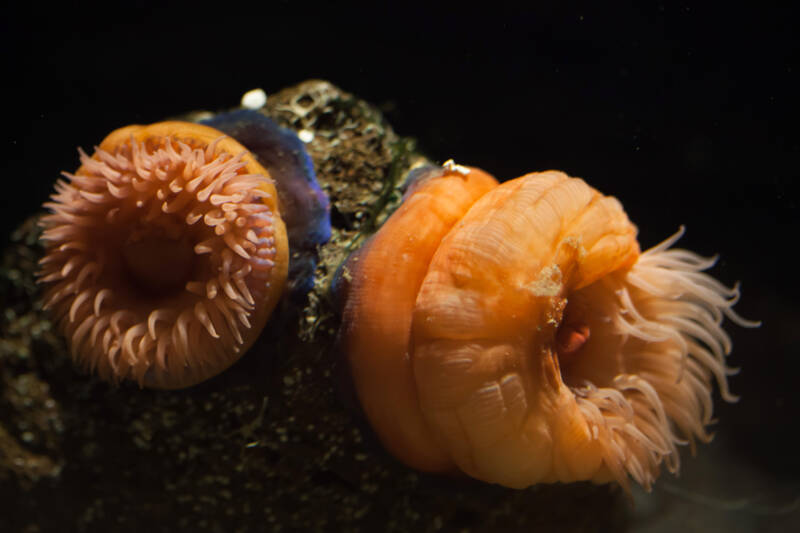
x: 418, y: 176
x: 304, y: 206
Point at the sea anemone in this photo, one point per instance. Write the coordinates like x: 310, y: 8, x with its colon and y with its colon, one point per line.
x: 516, y: 333
x: 165, y: 254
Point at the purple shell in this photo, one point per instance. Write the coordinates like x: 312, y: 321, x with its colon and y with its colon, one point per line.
x: 304, y: 206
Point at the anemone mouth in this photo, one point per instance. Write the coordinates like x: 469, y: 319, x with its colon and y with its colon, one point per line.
x: 643, y: 377
x: 164, y: 257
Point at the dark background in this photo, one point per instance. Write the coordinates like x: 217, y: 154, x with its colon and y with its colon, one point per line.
x: 683, y: 110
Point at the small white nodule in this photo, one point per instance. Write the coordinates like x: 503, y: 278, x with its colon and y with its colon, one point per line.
x: 452, y: 166
x: 306, y: 136
x: 254, y: 99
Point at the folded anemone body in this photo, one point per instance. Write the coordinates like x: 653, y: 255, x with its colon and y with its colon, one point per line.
x: 165, y: 254
x: 518, y: 334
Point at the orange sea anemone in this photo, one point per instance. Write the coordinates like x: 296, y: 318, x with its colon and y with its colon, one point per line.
x: 516, y: 333
x: 165, y: 254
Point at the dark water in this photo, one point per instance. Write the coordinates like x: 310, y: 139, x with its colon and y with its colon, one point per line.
x: 685, y: 112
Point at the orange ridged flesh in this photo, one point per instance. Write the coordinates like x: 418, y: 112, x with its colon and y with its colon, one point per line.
x: 485, y: 324
x: 386, y: 276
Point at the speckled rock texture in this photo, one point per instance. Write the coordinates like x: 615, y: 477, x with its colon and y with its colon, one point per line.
x: 276, y: 443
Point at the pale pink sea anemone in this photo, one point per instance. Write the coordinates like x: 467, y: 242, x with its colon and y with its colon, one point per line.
x: 165, y: 254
